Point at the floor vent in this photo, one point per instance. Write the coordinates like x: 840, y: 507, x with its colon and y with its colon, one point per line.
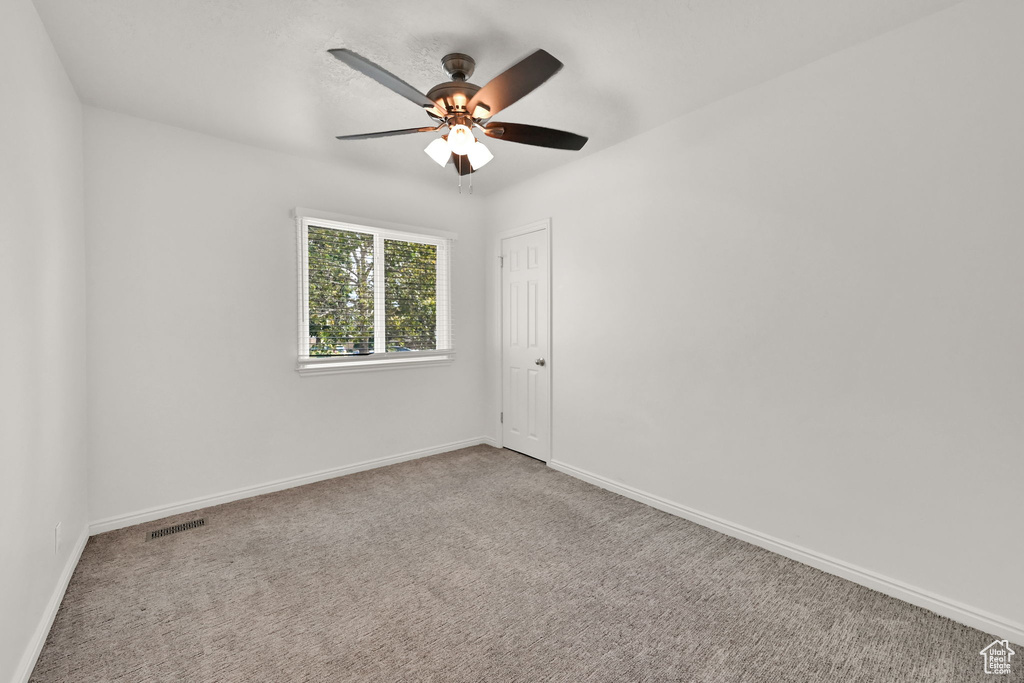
x: 167, y: 531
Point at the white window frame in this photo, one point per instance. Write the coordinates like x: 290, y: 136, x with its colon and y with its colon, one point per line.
x: 445, y: 354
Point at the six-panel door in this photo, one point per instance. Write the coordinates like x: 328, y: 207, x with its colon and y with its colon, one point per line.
x: 525, y: 345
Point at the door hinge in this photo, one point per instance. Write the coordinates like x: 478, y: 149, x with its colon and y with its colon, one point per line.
x: 501, y: 261
x: 502, y: 417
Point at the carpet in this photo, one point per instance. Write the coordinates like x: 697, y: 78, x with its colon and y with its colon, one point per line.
x: 475, y: 565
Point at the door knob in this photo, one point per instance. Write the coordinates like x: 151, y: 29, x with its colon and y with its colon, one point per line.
x: 540, y: 361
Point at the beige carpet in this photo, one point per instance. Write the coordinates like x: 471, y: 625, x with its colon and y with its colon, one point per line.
x: 476, y: 565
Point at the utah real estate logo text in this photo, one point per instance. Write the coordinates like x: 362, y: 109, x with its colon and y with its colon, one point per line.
x: 997, y: 657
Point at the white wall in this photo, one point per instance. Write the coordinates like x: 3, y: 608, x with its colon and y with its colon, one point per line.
x: 193, y: 320
x: 42, y: 329
x: 800, y: 309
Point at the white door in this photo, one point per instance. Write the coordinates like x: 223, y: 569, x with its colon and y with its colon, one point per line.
x: 525, y: 363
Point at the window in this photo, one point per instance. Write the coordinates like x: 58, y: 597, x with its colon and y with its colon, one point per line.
x: 371, y: 297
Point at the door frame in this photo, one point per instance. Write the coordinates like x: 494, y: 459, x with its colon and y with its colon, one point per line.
x: 543, y: 225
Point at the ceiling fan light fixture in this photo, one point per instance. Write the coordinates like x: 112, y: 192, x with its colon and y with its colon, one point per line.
x: 460, y: 139
x: 479, y: 155
x: 463, y: 106
x: 438, y: 151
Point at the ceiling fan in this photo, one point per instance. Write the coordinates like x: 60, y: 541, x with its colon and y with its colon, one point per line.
x: 462, y: 106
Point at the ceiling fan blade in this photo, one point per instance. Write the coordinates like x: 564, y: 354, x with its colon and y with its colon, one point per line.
x: 534, y: 135
x: 387, y: 133
x: 462, y: 165
x: 384, y: 77
x: 513, y: 84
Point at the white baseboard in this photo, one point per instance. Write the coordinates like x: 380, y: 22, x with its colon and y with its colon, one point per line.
x: 957, y: 611
x: 150, y: 514
x: 35, y: 646
x: 490, y: 441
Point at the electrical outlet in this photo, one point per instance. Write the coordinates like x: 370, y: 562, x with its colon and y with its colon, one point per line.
x: 56, y: 539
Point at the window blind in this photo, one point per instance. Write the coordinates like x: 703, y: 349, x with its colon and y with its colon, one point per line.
x: 373, y: 294
x: 341, y: 296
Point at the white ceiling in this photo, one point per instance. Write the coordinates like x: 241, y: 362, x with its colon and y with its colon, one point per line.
x: 257, y: 71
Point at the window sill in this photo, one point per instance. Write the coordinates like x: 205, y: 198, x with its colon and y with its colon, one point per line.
x: 335, y: 365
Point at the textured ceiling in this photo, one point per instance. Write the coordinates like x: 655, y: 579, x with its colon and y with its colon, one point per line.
x: 257, y: 71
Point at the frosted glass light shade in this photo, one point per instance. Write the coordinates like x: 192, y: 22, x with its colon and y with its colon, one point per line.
x: 479, y: 155
x: 438, y: 151
x: 460, y: 139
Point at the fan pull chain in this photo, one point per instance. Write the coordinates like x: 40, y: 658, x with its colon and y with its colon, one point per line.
x: 460, y: 173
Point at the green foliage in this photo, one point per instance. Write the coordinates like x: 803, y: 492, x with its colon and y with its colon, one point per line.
x: 341, y: 294
x: 410, y: 295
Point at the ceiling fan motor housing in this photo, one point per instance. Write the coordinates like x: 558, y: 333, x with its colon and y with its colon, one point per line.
x: 452, y: 97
